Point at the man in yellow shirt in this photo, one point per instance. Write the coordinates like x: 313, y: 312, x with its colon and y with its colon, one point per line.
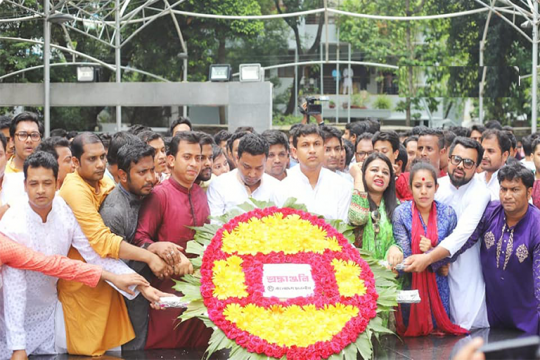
x: 26, y: 131
x: 101, y: 311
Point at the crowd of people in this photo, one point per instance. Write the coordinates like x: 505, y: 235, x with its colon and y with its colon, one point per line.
x: 452, y: 212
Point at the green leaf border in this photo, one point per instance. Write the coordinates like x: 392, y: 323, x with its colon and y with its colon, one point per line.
x: 385, y: 285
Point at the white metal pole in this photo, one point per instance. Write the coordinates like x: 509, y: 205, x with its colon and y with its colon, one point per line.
x: 184, y: 111
x: 295, y: 81
x: 349, y: 90
x: 46, y: 68
x: 118, y: 61
x: 534, y: 104
x: 481, y: 88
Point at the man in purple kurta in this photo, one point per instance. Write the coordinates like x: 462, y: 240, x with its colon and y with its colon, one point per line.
x: 165, y: 217
x: 510, y: 253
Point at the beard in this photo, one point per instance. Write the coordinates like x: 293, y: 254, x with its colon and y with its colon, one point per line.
x: 457, y: 182
x: 205, y: 174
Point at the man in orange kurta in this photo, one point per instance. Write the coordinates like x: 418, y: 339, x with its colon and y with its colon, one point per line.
x: 96, y: 319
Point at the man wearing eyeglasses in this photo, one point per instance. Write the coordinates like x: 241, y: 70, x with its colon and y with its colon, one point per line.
x: 469, y: 197
x: 26, y: 131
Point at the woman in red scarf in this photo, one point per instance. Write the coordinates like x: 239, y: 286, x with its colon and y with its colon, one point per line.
x: 420, y: 225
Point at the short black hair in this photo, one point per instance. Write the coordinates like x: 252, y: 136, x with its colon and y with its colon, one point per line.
x: 387, y: 135
x: 508, y: 128
x: 527, y: 141
x: 433, y: 132
x: 449, y: 137
x: 118, y: 140
x: 131, y: 154
x: 187, y: 136
x: 233, y: 138
x: 516, y: 170
x: 204, y: 138
x: 77, y: 145
x: 136, y: 129
x: 59, y: 132
x: 179, y: 121
x: 305, y: 130
x: 3, y: 140
x: 478, y: 127
x: 512, y: 138
x: 276, y: 137
x: 418, y: 129
x: 222, y: 135
x: 330, y: 132
x: 50, y: 144
x: 40, y: 159
x: 71, y: 134
x: 410, y: 139
x: 468, y: 144
x: 535, y: 143
x: 5, y: 122
x: 217, y: 151
x: 494, y: 124
x: 349, y: 151
x: 357, y: 128
x: 106, y: 140
x: 502, y: 138
x: 402, y: 156
x: 363, y: 136
x: 422, y: 165
x: 25, y: 116
x: 461, y: 131
x: 249, y: 129
x: 148, y: 135
x: 253, y: 144
x: 373, y: 125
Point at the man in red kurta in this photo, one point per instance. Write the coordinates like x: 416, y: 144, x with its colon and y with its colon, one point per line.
x: 165, y: 216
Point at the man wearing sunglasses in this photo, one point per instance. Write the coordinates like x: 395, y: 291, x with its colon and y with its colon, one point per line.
x: 469, y: 197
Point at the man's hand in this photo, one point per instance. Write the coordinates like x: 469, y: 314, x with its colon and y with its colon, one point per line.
x: 443, y: 270
x: 153, y: 295
x: 19, y: 355
x: 355, y: 170
x: 183, y: 267
x: 160, y: 267
x: 470, y: 351
x: 395, y: 256
x: 124, y: 281
x: 425, y: 244
x: 168, y: 251
x: 417, y: 263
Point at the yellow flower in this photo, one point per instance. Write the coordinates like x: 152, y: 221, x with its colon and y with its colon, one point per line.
x: 348, y: 278
x: 293, y: 325
x: 275, y: 233
x: 229, y: 279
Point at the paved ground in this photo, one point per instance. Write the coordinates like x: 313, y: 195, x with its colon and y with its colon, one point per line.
x: 391, y: 347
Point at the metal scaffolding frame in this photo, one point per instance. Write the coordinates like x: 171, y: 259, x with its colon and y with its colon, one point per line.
x: 102, y: 21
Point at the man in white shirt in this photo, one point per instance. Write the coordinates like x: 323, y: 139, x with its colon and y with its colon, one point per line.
x: 278, y: 154
x: 44, y: 223
x: 333, y: 146
x: 247, y: 181
x: 322, y: 191
x: 469, y: 197
x: 496, y: 144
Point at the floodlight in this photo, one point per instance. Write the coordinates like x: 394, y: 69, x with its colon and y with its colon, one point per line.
x: 251, y: 73
x: 86, y: 74
x: 60, y: 18
x: 220, y: 72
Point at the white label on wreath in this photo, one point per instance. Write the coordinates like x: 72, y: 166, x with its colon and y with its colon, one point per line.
x: 287, y: 281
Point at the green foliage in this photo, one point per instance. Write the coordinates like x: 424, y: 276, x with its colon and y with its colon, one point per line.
x: 382, y: 102
x: 189, y: 285
x: 286, y: 120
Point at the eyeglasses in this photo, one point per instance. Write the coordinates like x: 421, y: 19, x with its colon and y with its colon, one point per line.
x: 467, y: 163
x: 363, y: 154
x: 22, y: 136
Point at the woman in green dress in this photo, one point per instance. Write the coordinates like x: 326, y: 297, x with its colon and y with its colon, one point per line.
x: 373, y: 203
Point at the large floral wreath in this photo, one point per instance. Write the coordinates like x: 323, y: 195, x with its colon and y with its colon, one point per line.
x: 226, y: 292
